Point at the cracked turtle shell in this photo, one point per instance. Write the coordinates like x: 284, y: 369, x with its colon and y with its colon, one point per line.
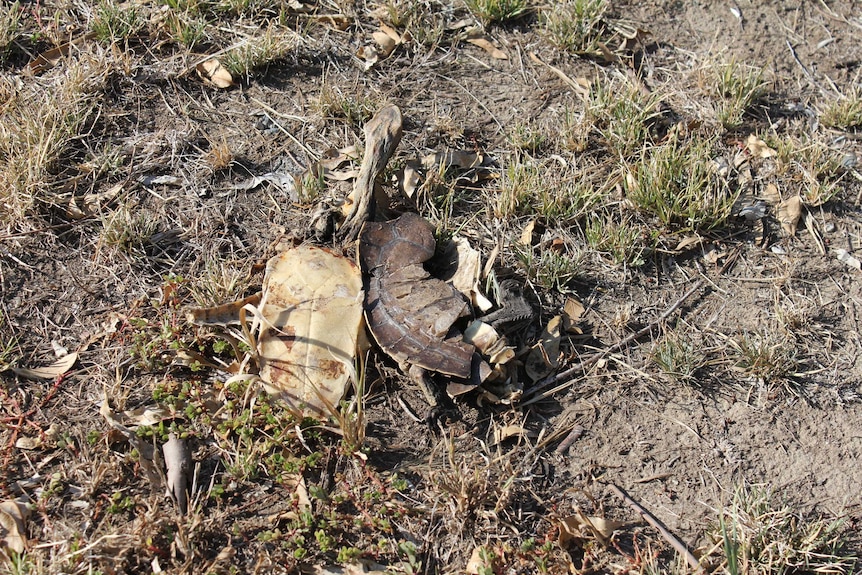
x: 410, y: 313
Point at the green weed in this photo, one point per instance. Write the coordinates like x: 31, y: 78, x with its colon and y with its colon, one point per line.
x: 550, y: 268
x: 497, y: 11
x: 737, y: 87
x: 10, y: 19
x: 623, y: 241
x: 844, y: 113
x: 116, y: 22
x: 679, y: 356
x: 574, y: 25
x: 255, y: 53
x: 765, y: 356
x: 758, y: 536
x: 675, y: 183
x: 623, y: 115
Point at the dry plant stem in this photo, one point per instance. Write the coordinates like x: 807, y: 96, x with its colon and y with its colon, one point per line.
x: 382, y: 135
x: 566, y: 378
x: 652, y: 520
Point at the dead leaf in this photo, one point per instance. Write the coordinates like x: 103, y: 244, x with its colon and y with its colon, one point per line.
x: 50, y: 58
x: 178, y: 462
x: 385, y: 43
x: 581, y: 86
x: 758, y: 147
x: 501, y: 434
x: 369, y: 55
x: 453, y: 159
x: 771, y: 194
x: 28, y: 443
x: 489, y: 47
x: 789, y: 212
x: 284, y: 181
x: 51, y: 371
x: 490, y: 344
x: 687, y: 242
x: 845, y: 258
x: 573, y: 311
x: 545, y: 355
x: 580, y: 527
x: 527, y: 233
x: 338, y: 22
x: 13, y: 513
x: 212, y: 72
x: 310, y: 324
x: 221, y: 315
x: 91, y: 204
x: 476, y: 564
x: 464, y: 266
x: 144, y: 449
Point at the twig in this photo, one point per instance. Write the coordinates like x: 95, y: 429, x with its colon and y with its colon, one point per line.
x: 576, y: 432
x: 652, y: 520
x: 805, y: 68
x: 566, y: 378
x: 580, y: 90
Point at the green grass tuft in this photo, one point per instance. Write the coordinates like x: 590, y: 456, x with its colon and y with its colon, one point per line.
x: 675, y: 183
x: 575, y: 25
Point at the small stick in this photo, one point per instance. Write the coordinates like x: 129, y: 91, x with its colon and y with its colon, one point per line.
x: 573, y: 436
x: 652, y: 520
x: 566, y: 378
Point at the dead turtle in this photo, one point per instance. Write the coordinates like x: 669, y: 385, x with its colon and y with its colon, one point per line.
x: 409, y: 312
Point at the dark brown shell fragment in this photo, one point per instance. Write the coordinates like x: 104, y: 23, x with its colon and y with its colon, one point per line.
x: 409, y: 312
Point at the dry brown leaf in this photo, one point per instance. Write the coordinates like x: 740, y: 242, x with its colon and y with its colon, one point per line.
x: 580, y: 85
x: 51, y: 371
x: 212, y: 72
x: 29, y: 443
x: 771, y: 194
x: 144, y: 449
x: 310, y: 324
x: 789, y: 212
x: 296, y: 484
x: 338, y: 22
x: 13, y: 534
x: 688, y: 242
x: 485, y: 338
x: 50, y: 58
x: 580, y: 527
x: 178, y: 462
x: 475, y: 564
x: 527, y: 233
x: 501, y: 434
x: 758, y: 147
x: 221, y: 315
x: 545, y: 355
x: 573, y: 311
x: 385, y: 43
x: 90, y: 204
x: 411, y: 177
x: 453, y: 159
x: 463, y: 271
x: 489, y: 47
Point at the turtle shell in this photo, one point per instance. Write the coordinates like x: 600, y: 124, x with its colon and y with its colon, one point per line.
x: 410, y: 313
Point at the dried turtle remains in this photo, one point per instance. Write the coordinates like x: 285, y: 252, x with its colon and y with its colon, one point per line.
x: 409, y: 312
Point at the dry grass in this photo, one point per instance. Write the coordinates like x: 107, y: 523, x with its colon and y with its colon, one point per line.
x: 40, y: 121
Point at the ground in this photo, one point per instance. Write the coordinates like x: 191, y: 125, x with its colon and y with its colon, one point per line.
x: 736, y: 420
